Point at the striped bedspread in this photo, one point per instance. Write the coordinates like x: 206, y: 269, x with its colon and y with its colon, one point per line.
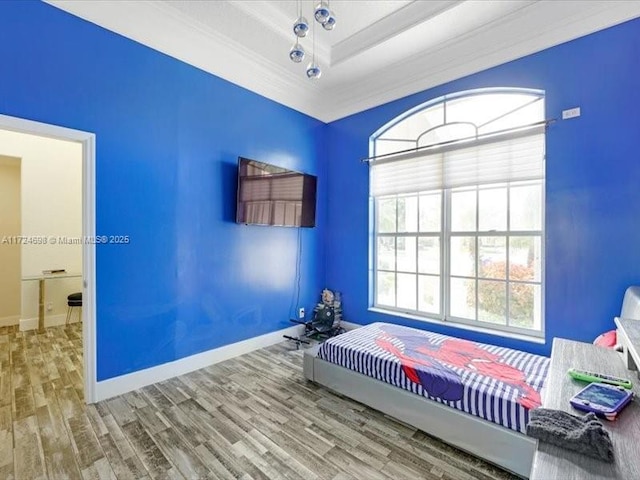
x: 498, y: 384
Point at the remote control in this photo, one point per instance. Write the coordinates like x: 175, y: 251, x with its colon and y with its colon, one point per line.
x: 591, y: 377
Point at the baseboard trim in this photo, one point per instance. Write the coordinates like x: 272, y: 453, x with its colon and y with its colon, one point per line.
x: 49, y: 321
x: 350, y: 325
x: 11, y: 320
x: 132, y: 381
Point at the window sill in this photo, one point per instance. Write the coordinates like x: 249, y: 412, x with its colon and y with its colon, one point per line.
x: 462, y: 326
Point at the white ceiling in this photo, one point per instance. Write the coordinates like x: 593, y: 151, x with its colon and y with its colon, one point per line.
x: 379, y: 51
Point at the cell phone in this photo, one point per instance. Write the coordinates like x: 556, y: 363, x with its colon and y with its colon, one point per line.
x: 606, y: 401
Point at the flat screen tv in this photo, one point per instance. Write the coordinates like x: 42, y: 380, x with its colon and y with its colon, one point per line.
x: 270, y: 195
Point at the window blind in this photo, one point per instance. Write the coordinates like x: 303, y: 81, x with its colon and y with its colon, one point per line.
x: 487, y: 161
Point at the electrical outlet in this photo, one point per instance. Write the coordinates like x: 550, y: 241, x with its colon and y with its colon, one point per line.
x: 49, y: 306
x: 301, y: 312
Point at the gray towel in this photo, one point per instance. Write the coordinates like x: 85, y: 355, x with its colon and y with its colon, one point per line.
x: 584, y: 434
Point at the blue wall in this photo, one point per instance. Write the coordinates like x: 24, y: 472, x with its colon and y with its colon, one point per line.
x: 168, y: 137
x: 592, y: 190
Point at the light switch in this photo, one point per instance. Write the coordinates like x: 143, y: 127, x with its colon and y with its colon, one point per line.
x: 571, y: 113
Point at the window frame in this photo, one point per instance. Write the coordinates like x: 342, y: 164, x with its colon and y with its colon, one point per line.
x: 445, y: 235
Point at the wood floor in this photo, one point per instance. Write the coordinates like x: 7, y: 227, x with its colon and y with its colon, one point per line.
x: 252, y: 417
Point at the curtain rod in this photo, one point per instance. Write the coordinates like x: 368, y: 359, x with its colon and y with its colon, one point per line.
x: 544, y: 123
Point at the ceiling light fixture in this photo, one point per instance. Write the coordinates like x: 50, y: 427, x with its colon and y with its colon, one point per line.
x: 330, y: 23
x: 325, y: 17
x: 296, y: 54
x: 301, y: 25
x: 313, y: 69
x: 322, y: 12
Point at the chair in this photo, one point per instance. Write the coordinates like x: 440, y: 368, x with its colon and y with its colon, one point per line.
x: 74, y: 300
x: 322, y: 326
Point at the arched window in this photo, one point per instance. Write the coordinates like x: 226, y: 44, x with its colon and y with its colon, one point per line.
x: 458, y: 190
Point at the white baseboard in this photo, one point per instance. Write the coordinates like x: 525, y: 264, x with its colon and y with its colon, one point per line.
x: 49, y: 321
x: 350, y: 325
x: 132, y: 381
x: 8, y: 321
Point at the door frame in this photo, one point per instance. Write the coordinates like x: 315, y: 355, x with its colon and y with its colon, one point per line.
x: 88, y: 142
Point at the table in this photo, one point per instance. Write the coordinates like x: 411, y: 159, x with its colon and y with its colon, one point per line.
x: 41, y: 279
x: 551, y: 462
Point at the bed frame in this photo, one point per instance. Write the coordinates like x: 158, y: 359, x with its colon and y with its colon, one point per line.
x: 506, y: 448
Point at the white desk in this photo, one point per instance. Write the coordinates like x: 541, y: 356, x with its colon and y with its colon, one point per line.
x: 629, y: 338
x: 551, y: 462
x: 41, y: 291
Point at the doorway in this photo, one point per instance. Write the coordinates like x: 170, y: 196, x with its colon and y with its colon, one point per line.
x: 86, y: 142
x: 10, y: 228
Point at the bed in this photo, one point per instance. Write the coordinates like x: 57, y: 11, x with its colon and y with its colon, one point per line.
x: 471, y: 395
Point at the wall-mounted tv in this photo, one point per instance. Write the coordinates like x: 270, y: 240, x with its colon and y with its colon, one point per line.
x: 270, y: 195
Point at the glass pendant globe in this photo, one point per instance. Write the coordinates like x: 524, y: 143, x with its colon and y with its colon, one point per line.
x: 313, y: 71
x: 330, y: 23
x: 322, y: 12
x: 296, y: 54
x: 301, y: 27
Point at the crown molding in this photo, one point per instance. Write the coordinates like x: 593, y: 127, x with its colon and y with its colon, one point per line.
x: 147, y: 23
x: 474, y: 53
x: 370, y: 78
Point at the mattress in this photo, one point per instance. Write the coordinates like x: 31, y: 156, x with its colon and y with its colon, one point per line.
x: 497, y: 384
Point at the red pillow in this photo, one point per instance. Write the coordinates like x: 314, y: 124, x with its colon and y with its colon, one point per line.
x: 608, y: 339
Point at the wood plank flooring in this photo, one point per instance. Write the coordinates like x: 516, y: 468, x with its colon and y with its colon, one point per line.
x: 252, y: 417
